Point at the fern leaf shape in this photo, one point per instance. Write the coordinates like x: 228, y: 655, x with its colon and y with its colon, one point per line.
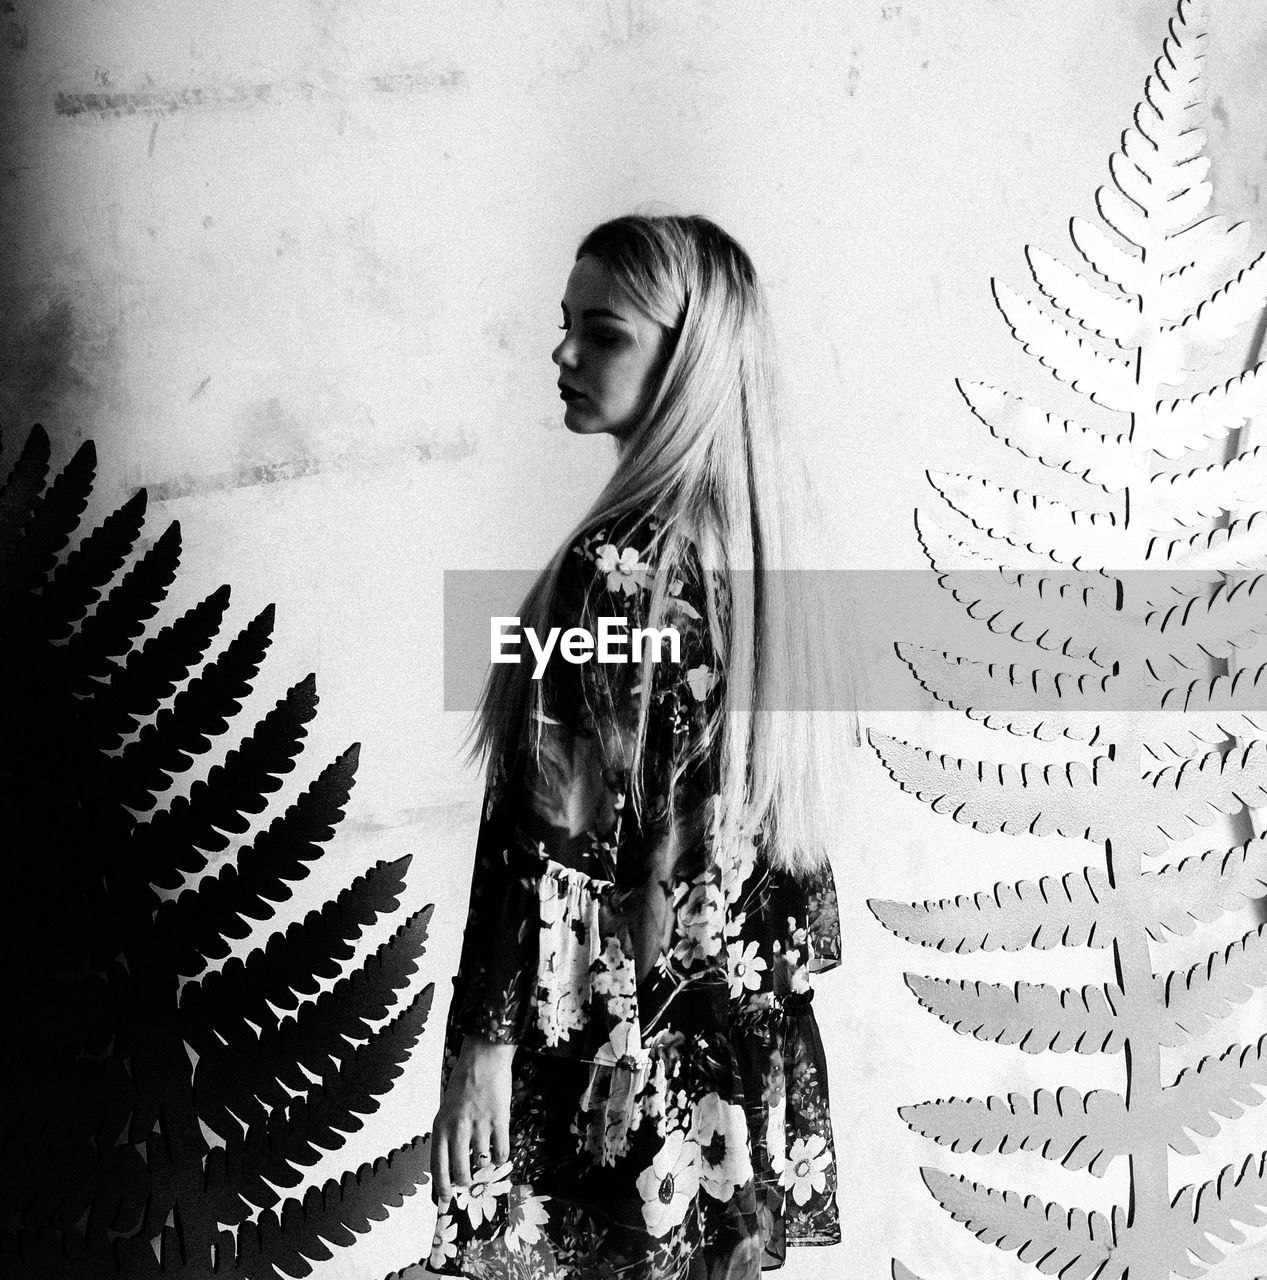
x: 1071, y: 1243
x: 1078, y: 909
x: 1159, y: 186
x: 1129, y: 208
x: 1023, y: 700
x: 290, y: 1241
x: 200, y: 711
x: 242, y: 1071
x: 1218, y: 707
x: 1104, y: 379
x: 1061, y: 798
x: 122, y: 615
x: 1046, y: 610
x: 194, y: 927
x: 1209, y: 784
x: 1035, y: 1017
x: 53, y: 521
x: 979, y: 548
x: 944, y: 549
x: 1223, y: 1087
x: 1200, y: 263
x: 150, y: 674
x: 1194, y: 261
x: 1107, y: 315
x: 178, y: 838
x: 272, y: 1153
x: 1207, y: 992
x: 22, y: 489
x: 1194, y: 421
x: 1079, y: 1131
x: 1102, y: 460
x: 1214, y: 625
x: 77, y: 582
x: 1114, y: 265
x: 1242, y: 543
x: 1187, y: 498
x: 188, y: 928
x: 1206, y: 331
x: 1201, y: 888
x: 1065, y: 535
x: 1214, y: 1209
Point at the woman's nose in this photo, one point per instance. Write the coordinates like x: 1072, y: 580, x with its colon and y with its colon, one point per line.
x: 564, y: 353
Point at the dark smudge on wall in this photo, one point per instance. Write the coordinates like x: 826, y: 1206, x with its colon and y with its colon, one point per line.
x: 157, y: 100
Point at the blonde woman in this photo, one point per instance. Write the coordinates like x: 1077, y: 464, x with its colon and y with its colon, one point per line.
x: 634, y: 1082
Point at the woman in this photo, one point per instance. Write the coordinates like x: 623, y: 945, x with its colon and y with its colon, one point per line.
x: 634, y: 1081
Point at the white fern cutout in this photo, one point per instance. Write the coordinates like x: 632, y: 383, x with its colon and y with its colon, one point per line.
x: 1160, y: 289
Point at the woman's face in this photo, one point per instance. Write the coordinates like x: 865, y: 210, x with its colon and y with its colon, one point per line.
x: 611, y: 355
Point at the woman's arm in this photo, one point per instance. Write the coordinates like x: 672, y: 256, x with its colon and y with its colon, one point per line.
x: 474, y: 1115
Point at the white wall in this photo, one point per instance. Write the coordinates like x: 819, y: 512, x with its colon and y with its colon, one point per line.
x: 294, y: 266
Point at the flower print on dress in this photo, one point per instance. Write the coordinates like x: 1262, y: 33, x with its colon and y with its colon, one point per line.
x: 568, y: 943
x: 612, y: 977
x: 776, y: 1134
x: 479, y: 1200
x: 551, y: 900
x: 623, y: 1047
x: 721, y: 1132
x: 792, y: 963
x: 625, y: 571
x: 525, y: 1217
x: 807, y: 1165
x: 669, y: 1186
x: 443, y: 1243
x: 700, y: 920
x: 744, y: 967
x: 700, y: 681
x: 678, y: 603
x: 737, y: 865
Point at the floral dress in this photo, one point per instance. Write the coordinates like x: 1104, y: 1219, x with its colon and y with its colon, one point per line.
x: 669, y: 1115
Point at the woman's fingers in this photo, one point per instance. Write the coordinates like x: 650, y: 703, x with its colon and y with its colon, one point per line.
x: 480, y: 1152
x: 441, y: 1188
x: 501, y: 1139
x: 460, y: 1154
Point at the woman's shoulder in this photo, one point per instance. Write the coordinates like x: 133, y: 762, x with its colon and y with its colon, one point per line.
x: 617, y: 555
x: 638, y: 565
x: 634, y: 530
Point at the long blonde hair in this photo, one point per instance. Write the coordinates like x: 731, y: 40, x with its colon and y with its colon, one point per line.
x: 708, y: 463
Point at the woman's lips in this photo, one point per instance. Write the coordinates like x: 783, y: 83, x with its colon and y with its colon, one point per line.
x: 569, y: 394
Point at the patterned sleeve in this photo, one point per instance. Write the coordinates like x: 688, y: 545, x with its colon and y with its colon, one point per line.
x: 492, y: 992
x: 572, y: 859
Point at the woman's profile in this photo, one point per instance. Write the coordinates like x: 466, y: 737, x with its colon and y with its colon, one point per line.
x: 634, y: 1083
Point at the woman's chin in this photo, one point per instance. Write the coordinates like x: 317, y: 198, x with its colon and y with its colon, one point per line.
x: 581, y: 423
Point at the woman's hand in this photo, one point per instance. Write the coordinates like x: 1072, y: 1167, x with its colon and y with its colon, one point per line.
x: 473, y: 1122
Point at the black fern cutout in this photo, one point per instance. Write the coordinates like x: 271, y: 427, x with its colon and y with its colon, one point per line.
x: 151, y: 1128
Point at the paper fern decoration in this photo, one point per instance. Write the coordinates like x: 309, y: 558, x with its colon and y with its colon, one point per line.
x: 158, y: 1109
x: 1123, y: 649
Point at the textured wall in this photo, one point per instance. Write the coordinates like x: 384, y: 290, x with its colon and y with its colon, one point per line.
x: 294, y: 266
